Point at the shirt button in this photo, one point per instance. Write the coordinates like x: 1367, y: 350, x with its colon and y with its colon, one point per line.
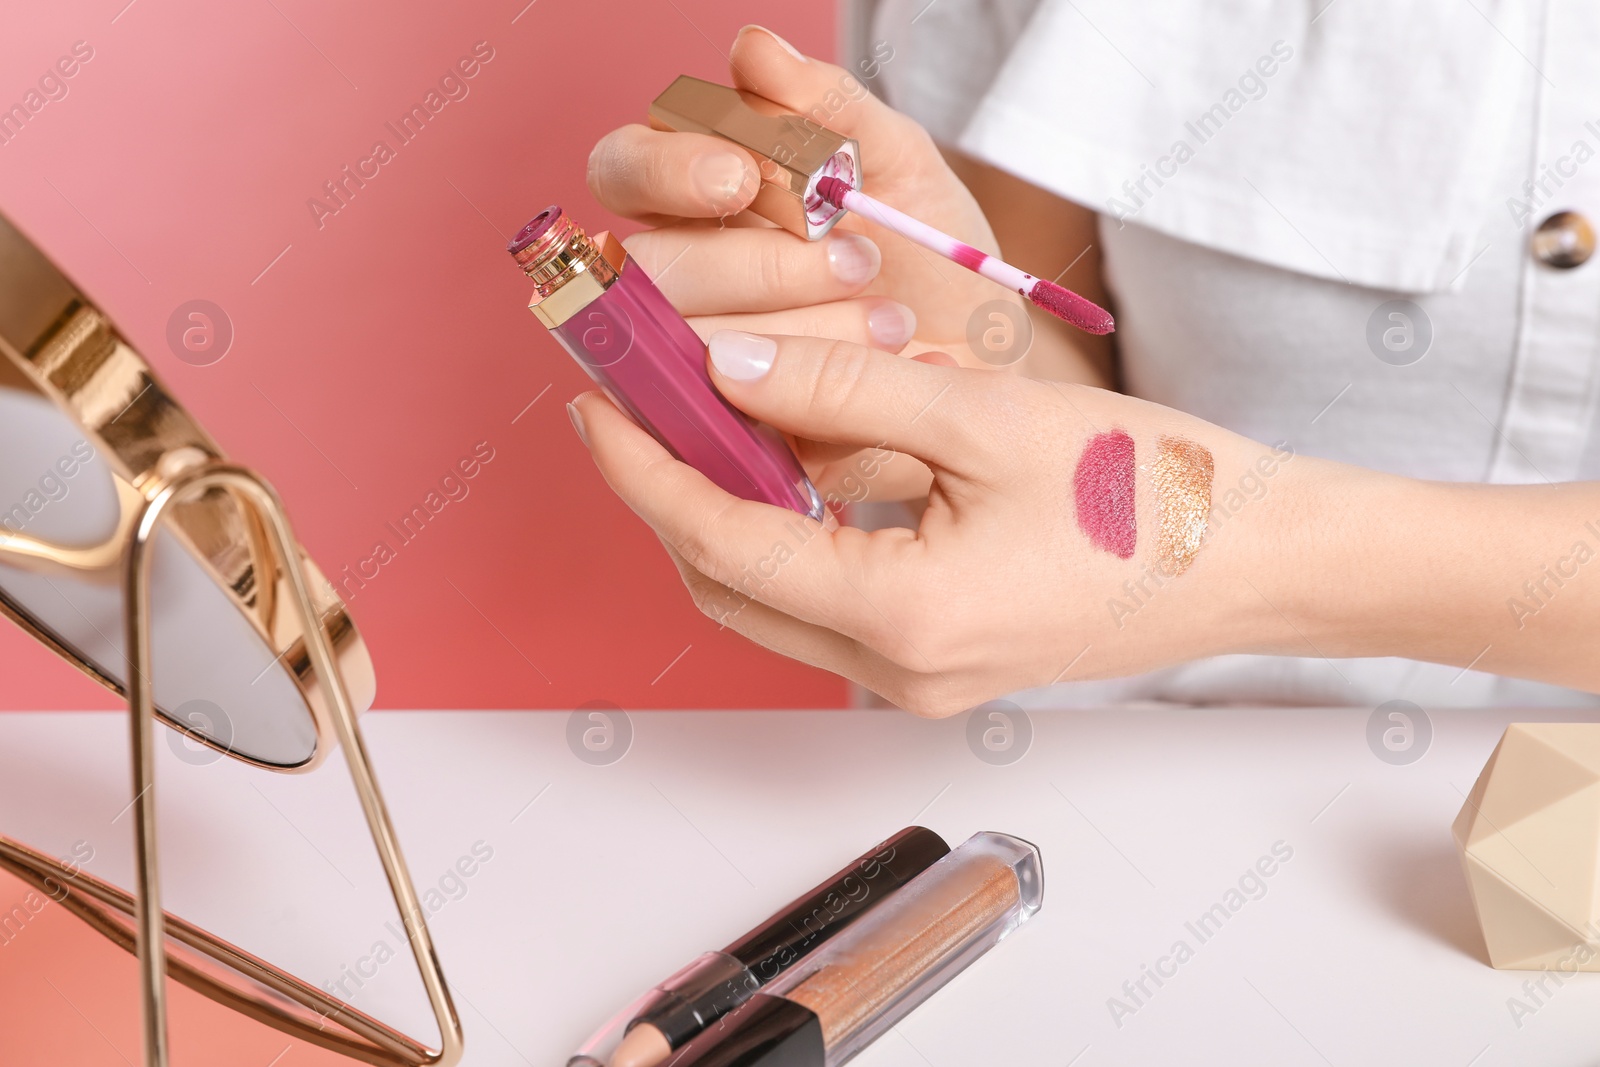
x: 1564, y: 240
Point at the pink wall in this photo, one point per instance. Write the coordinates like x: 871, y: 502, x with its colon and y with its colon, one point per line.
x: 376, y: 346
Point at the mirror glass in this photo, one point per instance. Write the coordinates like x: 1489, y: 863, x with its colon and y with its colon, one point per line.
x: 215, y: 674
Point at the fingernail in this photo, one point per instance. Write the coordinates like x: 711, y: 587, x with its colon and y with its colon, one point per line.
x: 853, y: 258
x: 577, y: 423
x: 891, y: 324
x: 744, y: 357
x: 720, y: 178
x: 785, y: 45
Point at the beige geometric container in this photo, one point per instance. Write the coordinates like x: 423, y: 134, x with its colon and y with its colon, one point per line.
x: 1529, y: 838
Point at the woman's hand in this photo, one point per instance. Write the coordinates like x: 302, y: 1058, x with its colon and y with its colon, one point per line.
x: 999, y: 588
x: 725, y: 268
x: 1028, y: 569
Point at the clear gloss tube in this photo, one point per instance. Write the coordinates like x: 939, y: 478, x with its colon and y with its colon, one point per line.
x: 841, y: 998
x: 869, y: 978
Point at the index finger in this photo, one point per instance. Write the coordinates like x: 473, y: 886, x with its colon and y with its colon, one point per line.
x: 641, y: 173
x: 822, y: 389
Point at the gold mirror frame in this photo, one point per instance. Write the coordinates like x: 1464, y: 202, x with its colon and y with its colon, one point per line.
x: 54, y: 341
x: 172, y: 476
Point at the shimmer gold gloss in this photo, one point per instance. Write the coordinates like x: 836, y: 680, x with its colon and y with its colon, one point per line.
x: 1181, y: 477
x: 866, y: 979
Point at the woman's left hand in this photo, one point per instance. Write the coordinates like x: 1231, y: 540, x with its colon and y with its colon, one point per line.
x: 1000, y: 588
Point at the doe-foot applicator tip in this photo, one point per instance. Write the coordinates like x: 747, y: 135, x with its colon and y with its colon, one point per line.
x: 1063, y: 303
x: 1068, y: 306
x: 832, y: 190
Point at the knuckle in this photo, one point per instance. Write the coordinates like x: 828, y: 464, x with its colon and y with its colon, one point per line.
x: 647, y: 170
x: 627, y: 173
x: 911, y: 148
x: 703, y: 594
x: 699, y: 547
x: 983, y: 411
x: 608, y: 157
x: 714, y: 601
x: 771, y: 267
x: 840, y: 373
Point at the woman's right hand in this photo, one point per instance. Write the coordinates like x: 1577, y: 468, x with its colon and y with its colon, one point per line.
x: 726, y: 268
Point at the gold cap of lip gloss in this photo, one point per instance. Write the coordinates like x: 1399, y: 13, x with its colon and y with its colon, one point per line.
x: 569, y: 268
x: 793, y: 151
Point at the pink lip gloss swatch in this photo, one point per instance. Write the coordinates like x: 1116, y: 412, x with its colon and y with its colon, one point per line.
x: 1103, y: 484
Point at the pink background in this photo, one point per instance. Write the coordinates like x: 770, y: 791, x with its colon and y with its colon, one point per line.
x: 369, y: 358
x: 372, y: 353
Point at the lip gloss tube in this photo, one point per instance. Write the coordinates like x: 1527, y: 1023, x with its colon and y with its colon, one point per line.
x: 610, y: 317
x: 675, y: 1011
x: 842, y: 997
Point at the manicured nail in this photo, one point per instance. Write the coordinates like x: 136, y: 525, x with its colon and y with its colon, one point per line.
x: 721, y: 178
x: 853, y: 258
x: 577, y: 423
x: 744, y: 357
x: 891, y: 324
x: 785, y: 45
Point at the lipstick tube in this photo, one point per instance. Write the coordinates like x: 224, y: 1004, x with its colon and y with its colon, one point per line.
x: 675, y: 1011
x: 794, y: 152
x: 841, y: 998
x: 610, y: 317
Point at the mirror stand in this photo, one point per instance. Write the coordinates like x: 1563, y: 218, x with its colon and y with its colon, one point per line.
x: 263, y: 502
x: 270, y: 994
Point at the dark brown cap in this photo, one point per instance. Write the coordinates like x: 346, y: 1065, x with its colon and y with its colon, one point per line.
x: 764, y: 1031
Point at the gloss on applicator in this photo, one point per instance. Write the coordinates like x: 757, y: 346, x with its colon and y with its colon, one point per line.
x: 810, y: 176
x: 1058, y: 300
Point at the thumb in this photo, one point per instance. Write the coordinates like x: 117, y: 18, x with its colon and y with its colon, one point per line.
x: 765, y: 64
x: 843, y: 393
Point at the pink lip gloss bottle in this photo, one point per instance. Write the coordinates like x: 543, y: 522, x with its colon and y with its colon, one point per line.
x: 610, y: 317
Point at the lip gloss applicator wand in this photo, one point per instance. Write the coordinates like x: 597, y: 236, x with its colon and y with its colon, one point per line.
x: 809, y: 176
x: 1061, y: 302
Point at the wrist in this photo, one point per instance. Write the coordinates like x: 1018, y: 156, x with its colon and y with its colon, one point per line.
x: 1261, y: 498
x: 1339, y: 547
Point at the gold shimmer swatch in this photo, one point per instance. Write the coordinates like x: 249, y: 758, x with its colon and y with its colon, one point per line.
x: 1182, y: 478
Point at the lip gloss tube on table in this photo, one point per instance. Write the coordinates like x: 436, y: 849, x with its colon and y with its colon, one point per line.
x: 670, y: 1015
x: 849, y: 992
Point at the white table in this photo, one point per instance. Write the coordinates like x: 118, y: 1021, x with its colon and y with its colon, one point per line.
x: 1362, y: 951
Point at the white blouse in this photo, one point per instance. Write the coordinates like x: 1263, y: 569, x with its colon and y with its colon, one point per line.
x: 1317, y: 224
